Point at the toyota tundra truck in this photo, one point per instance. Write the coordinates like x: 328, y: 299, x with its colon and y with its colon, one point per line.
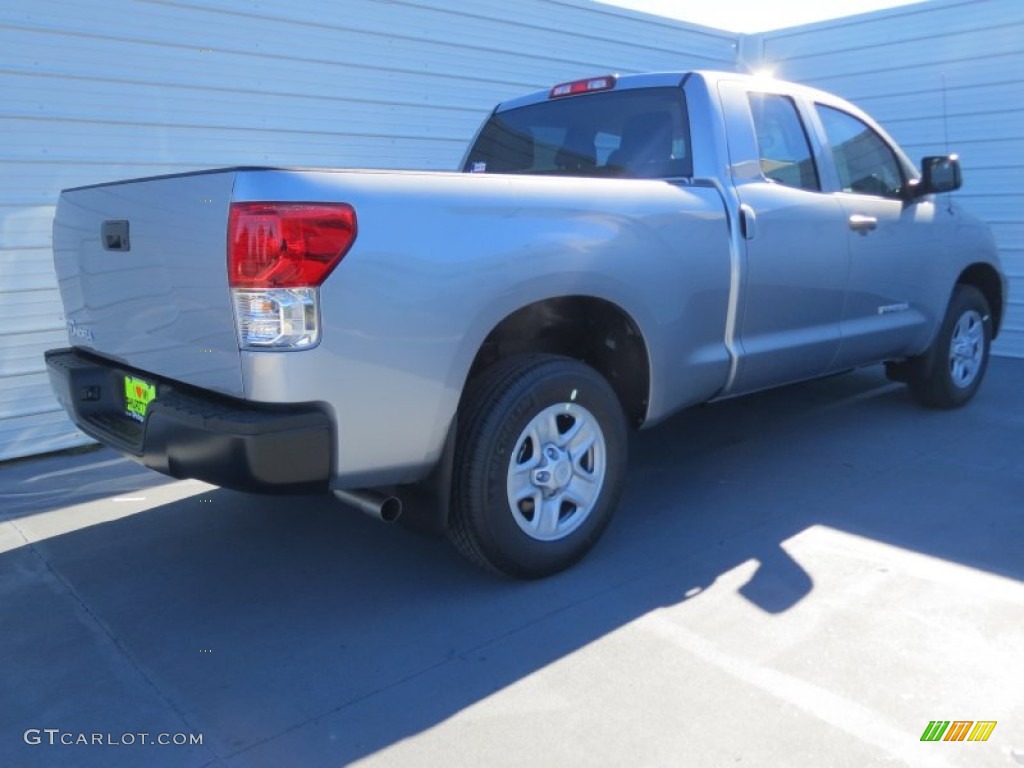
x: 473, y: 347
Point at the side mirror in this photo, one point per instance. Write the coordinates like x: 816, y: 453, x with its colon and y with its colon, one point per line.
x: 939, y: 173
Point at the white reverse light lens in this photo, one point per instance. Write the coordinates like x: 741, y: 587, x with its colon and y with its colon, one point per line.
x: 280, y: 318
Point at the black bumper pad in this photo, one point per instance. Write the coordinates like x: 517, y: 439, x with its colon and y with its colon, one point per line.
x: 195, y: 433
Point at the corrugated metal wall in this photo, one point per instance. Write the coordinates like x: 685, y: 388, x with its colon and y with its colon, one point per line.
x: 946, y: 73
x: 119, y: 89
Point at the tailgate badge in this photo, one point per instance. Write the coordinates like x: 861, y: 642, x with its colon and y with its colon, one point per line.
x: 76, y: 331
x: 115, y: 235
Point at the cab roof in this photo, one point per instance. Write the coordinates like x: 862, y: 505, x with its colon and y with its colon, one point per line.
x: 661, y: 80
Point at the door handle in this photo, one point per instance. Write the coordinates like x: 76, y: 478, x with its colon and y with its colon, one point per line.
x: 863, y: 224
x: 748, y: 222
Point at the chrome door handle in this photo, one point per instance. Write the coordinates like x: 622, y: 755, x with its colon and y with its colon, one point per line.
x: 859, y: 223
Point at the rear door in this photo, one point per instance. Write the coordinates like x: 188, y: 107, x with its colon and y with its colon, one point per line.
x: 142, y: 271
x: 796, y: 257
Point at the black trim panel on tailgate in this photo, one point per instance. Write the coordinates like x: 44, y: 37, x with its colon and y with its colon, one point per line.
x: 195, y: 433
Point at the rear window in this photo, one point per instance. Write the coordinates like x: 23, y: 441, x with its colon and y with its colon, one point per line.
x: 641, y: 133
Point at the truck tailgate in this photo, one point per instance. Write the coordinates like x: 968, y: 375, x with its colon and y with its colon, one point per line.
x: 142, y: 271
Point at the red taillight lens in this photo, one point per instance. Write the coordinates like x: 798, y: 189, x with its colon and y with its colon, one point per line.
x: 287, y: 245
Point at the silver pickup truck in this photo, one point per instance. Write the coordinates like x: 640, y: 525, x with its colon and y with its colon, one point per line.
x: 472, y: 348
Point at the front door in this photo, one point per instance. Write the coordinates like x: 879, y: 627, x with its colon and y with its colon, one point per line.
x: 891, y: 297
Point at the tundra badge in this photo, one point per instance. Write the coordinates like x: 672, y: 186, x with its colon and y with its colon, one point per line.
x: 75, y: 331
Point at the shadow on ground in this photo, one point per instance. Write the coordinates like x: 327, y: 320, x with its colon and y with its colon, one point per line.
x: 32, y: 486
x: 291, y: 632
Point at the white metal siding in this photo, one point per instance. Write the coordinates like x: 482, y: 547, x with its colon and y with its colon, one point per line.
x: 96, y: 92
x: 909, y: 67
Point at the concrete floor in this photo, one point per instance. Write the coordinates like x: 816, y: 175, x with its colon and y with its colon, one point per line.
x: 805, y: 577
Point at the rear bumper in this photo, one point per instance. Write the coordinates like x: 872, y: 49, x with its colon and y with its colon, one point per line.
x: 195, y: 433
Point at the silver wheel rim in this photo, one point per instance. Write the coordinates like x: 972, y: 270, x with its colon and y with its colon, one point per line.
x: 967, y: 349
x: 556, y: 472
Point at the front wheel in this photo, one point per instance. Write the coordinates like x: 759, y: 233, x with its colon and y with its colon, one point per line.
x: 950, y: 372
x: 540, y: 462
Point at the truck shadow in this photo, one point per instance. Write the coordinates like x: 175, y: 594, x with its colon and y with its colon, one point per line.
x: 332, y: 637
x: 35, y: 485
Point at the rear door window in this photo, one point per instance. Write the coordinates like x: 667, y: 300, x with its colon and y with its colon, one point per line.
x: 641, y: 133
x: 785, y: 152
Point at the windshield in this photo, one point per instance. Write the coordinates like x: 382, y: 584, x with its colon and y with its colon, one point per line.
x: 642, y: 133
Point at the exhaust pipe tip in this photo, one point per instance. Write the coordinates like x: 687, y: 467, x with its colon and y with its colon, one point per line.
x: 390, y: 509
x: 387, y: 509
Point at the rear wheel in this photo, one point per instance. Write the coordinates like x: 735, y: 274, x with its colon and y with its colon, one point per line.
x: 539, y: 465
x: 950, y: 372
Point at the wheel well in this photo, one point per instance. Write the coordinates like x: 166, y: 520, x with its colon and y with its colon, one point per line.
x: 593, y: 330
x: 985, y: 278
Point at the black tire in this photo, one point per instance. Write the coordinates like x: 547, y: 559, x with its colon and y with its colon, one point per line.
x: 950, y: 372
x: 521, y: 540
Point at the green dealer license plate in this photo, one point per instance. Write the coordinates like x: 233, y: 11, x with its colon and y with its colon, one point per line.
x: 138, y: 394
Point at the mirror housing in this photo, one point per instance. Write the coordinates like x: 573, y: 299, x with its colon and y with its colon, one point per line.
x: 939, y: 173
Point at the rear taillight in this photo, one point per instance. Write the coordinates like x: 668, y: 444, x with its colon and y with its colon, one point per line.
x: 278, y: 255
x: 287, y: 245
